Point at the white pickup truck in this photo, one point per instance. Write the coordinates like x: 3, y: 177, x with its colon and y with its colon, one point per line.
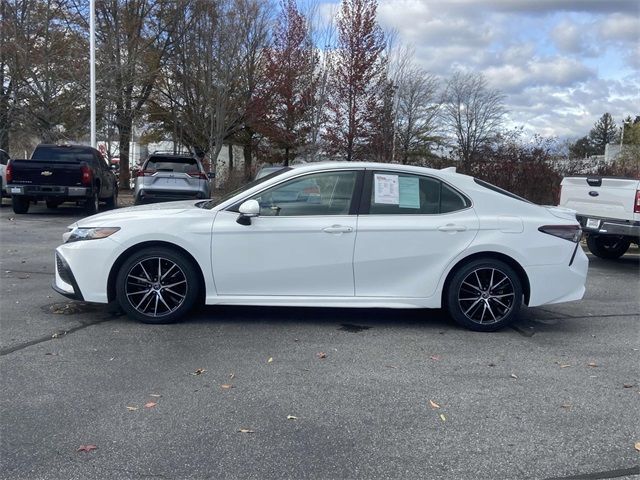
x: 608, y: 209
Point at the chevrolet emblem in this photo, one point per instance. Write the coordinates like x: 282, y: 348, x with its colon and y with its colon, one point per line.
x: 47, y: 173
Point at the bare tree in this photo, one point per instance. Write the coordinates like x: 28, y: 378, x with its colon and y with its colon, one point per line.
x: 417, y: 112
x: 474, y: 112
x: 134, y: 37
x: 43, y: 53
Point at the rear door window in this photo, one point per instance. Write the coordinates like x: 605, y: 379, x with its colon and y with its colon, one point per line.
x: 394, y: 193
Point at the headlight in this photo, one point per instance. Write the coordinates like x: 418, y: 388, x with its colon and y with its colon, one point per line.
x: 91, y: 233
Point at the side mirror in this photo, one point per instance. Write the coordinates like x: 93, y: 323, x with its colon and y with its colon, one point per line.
x: 248, y: 209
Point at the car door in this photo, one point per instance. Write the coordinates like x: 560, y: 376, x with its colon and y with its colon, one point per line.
x: 301, y: 243
x: 410, y: 228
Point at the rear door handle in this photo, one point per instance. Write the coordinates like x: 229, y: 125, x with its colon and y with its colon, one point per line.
x: 450, y: 227
x: 337, y: 229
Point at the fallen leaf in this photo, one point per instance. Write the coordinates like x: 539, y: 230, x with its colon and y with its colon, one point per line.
x: 567, y: 406
x: 246, y: 430
x: 150, y: 404
x: 391, y: 366
x: 155, y: 395
x: 433, y: 404
x: 132, y: 409
x: 637, y: 446
x: 443, y: 418
x: 513, y: 375
x: 232, y: 376
x: 226, y: 386
x: 491, y: 365
x: 321, y: 355
x: 435, y: 358
x: 55, y: 335
x: 628, y: 385
x: 270, y: 360
x: 562, y: 365
x: 86, y: 448
x: 199, y: 371
x: 291, y: 417
x: 592, y: 364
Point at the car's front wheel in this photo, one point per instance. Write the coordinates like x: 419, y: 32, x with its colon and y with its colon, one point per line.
x: 484, y: 295
x: 609, y: 247
x: 157, y: 285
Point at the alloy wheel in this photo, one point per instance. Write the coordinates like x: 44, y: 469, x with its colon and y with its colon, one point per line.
x: 486, y: 295
x: 156, y: 287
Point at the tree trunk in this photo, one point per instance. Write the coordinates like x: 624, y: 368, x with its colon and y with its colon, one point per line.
x: 124, y: 134
x: 247, y: 150
x: 230, y: 157
x: 286, y: 156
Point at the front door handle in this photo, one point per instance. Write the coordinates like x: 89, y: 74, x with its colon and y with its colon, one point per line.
x: 337, y: 229
x: 450, y: 227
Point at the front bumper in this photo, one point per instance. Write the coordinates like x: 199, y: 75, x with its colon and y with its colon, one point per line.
x: 610, y: 226
x: 65, y: 283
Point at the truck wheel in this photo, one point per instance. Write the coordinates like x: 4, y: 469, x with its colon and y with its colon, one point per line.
x: 608, y: 246
x: 112, y: 201
x: 20, y: 204
x: 92, y: 204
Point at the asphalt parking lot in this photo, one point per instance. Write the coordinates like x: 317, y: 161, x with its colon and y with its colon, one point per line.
x: 310, y: 393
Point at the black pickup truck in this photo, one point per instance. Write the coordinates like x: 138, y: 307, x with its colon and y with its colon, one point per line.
x: 62, y: 173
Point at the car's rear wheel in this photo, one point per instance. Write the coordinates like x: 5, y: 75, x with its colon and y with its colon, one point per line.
x: 20, y: 204
x: 608, y: 246
x: 157, y: 285
x: 484, y: 295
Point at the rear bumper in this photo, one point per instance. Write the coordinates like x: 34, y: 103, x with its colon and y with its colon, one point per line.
x: 558, y: 283
x: 49, y: 191
x: 610, y: 226
x: 169, y: 196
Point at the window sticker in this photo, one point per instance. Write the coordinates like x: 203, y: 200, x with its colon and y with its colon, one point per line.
x: 409, y: 192
x: 386, y: 189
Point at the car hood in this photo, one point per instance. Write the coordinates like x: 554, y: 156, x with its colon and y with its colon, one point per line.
x: 155, y: 210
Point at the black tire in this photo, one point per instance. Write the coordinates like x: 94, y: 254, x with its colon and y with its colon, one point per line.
x: 608, y: 247
x: 20, y: 204
x: 472, y: 301
x: 158, y: 303
x: 92, y: 204
x: 52, y: 204
x: 112, y: 201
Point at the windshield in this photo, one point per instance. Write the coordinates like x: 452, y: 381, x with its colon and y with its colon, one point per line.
x: 217, y: 201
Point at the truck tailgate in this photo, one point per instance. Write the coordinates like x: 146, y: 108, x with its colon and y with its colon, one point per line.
x: 600, y: 197
x: 34, y: 172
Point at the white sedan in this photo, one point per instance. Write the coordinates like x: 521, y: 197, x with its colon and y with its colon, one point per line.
x: 332, y: 235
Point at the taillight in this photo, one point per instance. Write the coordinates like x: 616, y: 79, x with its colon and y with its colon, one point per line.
x: 573, y: 233
x: 145, y: 173
x: 198, y: 175
x: 87, y: 176
x: 9, y: 172
x: 636, y: 206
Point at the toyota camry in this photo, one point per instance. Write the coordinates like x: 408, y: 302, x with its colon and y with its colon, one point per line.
x: 332, y: 235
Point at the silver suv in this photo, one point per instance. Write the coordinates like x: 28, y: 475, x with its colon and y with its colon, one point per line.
x: 164, y: 177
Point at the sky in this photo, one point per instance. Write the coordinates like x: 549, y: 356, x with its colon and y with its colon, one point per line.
x: 560, y: 63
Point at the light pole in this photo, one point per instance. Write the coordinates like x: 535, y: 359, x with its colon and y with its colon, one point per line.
x: 92, y: 68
